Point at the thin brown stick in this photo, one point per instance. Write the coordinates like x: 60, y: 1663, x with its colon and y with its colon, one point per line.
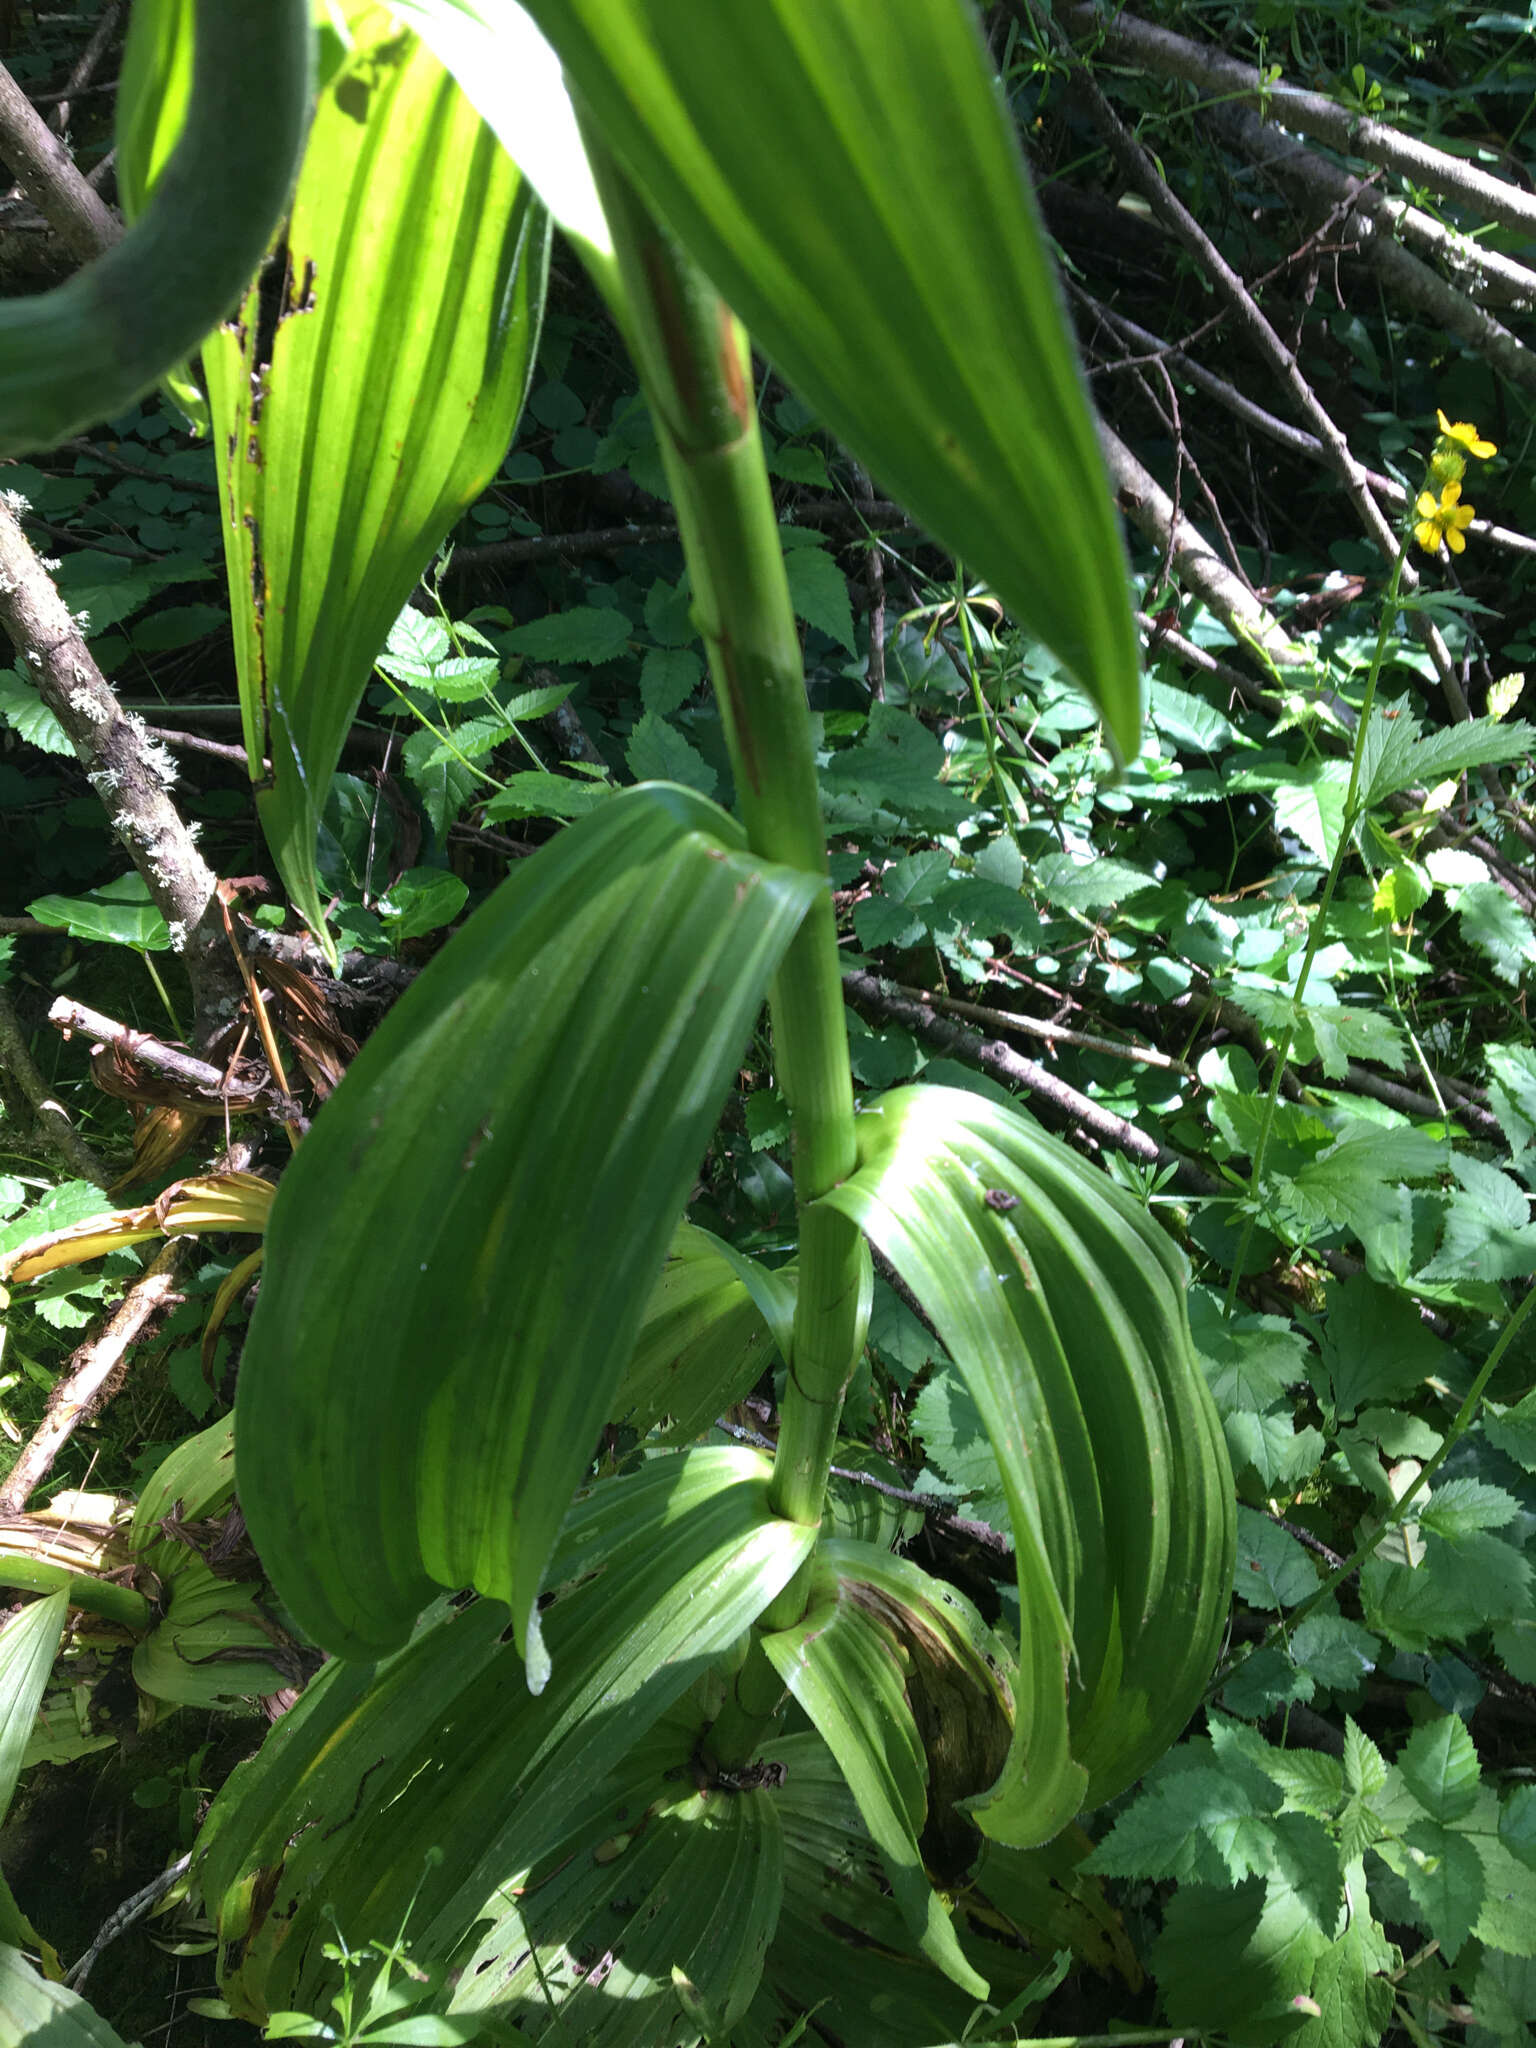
x: 1194, y: 561
x: 84, y: 1385
x: 46, y: 172
x: 53, y: 1124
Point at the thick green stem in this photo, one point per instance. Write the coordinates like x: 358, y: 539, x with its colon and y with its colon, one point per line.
x: 120, y: 1604
x: 696, y: 370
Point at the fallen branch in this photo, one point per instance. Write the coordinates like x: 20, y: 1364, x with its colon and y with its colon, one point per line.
x: 1158, y: 50
x: 194, y: 1083
x: 88, y: 1379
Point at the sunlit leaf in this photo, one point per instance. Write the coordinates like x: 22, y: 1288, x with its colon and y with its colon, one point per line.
x: 350, y: 442
x: 444, y: 1746
x: 847, y: 179
x: 461, y: 1251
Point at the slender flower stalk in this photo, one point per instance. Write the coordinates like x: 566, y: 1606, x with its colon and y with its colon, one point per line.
x: 696, y: 371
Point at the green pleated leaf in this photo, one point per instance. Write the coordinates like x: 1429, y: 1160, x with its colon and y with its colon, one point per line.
x: 846, y: 176
x: 364, y: 396
x: 713, y: 1322
x: 443, y: 1746
x: 848, y: 1662
x: 843, y: 1946
x: 29, y: 1642
x: 36, y: 2013
x: 1063, y: 1309
x: 648, y: 1928
x: 461, y: 1252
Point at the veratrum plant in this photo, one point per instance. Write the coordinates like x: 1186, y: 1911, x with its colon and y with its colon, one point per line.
x: 647, y: 1755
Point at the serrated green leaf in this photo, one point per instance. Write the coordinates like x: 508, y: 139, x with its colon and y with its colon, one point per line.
x: 1513, y: 1431
x: 1444, y: 1874
x: 586, y: 633
x: 1309, y: 804
x: 1397, y: 755
x: 1439, y: 1765
x: 954, y: 1436
x: 1265, y: 1681
x: 658, y: 752
x: 1373, y: 1344
x: 1457, y: 1589
x: 1337, y: 1652
x: 1272, y: 1570
x: 29, y: 717
x: 531, y: 1111
x: 1365, y: 1768
x: 1517, y: 1824
x: 422, y: 900
x: 669, y: 676
x: 819, y: 593
x: 1458, y: 1506
x: 1503, y: 934
x: 536, y: 793
x: 1488, y: 1233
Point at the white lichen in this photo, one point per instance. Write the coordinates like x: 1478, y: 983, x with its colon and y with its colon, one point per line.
x: 89, y: 706
x: 178, y: 933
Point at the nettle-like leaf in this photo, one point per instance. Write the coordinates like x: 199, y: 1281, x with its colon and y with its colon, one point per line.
x: 850, y: 184
x: 443, y: 1746
x: 461, y: 1251
x: 350, y: 438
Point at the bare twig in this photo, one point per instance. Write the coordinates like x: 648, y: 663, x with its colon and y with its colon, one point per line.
x: 1037, y: 1027
x: 1194, y: 561
x: 608, y: 540
x: 128, y: 771
x: 84, y: 1384
x: 53, y: 1124
x: 127, y: 1915
x: 196, y: 1079
x: 1080, y: 1112
x: 46, y: 172
x: 85, y: 70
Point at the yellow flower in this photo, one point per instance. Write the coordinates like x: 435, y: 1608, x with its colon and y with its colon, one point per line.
x: 1442, y: 518
x: 1464, y: 432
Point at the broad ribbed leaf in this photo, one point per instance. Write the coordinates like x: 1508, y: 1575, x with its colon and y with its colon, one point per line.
x: 461, y: 1251
x: 843, y: 1946
x: 711, y: 1325
x: 848, y: 180
x: 648, y: 1928
x: 443, y: 1746
x: 35, y: 2013
x: 29, y: 1642
x: 364, y: 396
x: 1063, y: 1309
x: 847, y: 1662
